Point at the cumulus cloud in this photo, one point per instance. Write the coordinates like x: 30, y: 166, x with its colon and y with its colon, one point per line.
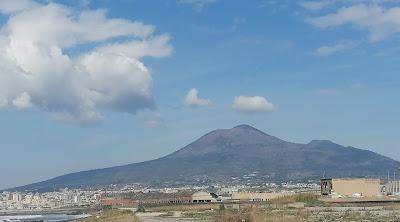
x: 334, y: 49
x: 381, y: 22
x: 36, y: 70
x: 193, y: 100
x: 23, y: 101
x: 12, y: 6
x: 253, y: 104
x: 156, y: 47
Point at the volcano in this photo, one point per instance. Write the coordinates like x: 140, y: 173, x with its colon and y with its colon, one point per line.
x: 225, y: 154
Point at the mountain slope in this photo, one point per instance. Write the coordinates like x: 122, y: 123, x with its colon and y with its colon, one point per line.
x: 223, y: 154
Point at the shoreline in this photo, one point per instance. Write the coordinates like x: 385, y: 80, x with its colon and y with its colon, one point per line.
x: 66, y: 211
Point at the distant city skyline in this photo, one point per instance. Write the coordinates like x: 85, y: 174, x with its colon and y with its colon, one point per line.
x: 93, y: 84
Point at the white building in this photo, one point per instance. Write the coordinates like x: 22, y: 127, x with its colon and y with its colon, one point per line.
x: 393, y: 187
x: 77, y: 199
x: 17, y: 197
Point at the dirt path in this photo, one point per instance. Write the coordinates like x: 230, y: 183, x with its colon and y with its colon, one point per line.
x: 166, y: 219
x: 155, y: 217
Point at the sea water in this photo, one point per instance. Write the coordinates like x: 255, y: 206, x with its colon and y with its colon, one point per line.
x: 44, y: 218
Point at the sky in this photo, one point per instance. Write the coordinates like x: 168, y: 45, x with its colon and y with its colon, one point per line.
x: 88, y: 84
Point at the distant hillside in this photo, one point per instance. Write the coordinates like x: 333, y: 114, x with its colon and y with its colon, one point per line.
x: 226, y: 153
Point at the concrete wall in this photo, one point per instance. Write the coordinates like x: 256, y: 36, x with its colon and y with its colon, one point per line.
x: 352, y: 187
x: 247, y: 196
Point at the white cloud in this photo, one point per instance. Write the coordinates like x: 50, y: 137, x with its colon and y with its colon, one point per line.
x: 85, y: 3
x: 12, y: 6
x: 198, y: 4
x: 36, y: 71
x: 379, y: 21
x: 253, y: 104
x: 64, y: 27
x: 314, y: 5
x: 23, y: 101
x: 192, y: 99
x: 334, y: 49
x: 155, y: 47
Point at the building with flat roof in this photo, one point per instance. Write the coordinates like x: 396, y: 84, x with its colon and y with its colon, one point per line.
x: 204, y: 197
x: 350, y: 187
x: 393, y: 187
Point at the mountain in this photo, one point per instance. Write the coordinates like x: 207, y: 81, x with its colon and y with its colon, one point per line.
x: 232, y: 153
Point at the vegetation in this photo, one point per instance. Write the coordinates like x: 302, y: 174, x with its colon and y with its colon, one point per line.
x: 184, y: 208
x: 258, y: 212
x: 255, y: 215
x: 309, y: 199
x: 267, y: 215
x: 112, y: 216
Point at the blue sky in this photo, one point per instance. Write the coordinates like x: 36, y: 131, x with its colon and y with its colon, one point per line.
x: 298, y: 70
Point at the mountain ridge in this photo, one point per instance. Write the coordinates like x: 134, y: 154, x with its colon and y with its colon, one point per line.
x: 225, y: 153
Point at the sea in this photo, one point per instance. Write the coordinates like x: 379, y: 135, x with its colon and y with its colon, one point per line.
x: 42, y: 218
